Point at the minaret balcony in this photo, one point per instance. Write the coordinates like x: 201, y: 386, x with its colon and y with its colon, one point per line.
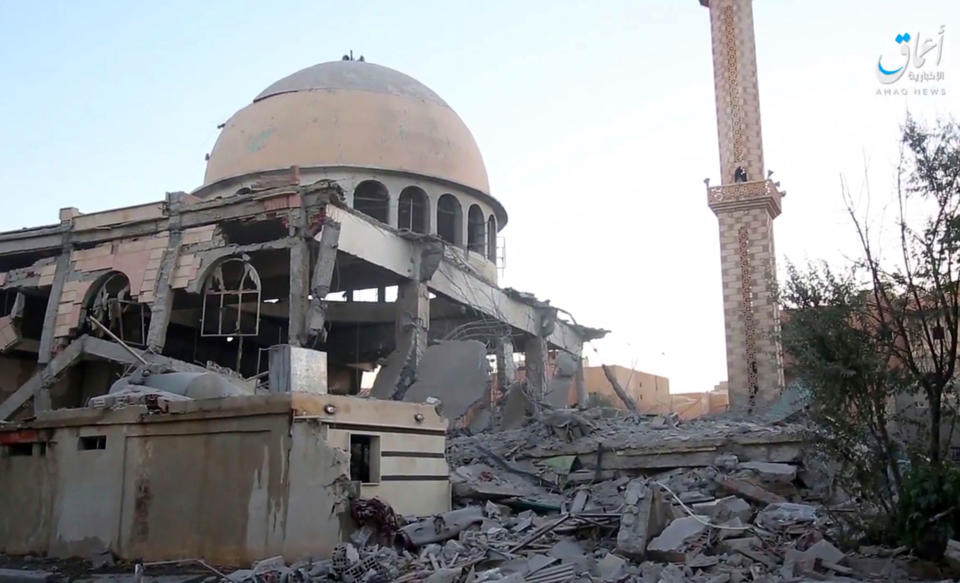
x: 745, y: 195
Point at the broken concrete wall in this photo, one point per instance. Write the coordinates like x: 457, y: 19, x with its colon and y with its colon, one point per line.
x: 693, y: 405
x: 454, y: 371
x: 316, y: 509
x: 650, y: 392
x: 231, y: 480
x: 27, y: 486
x: 189, y: 491
x: 405, y: 456
x: 216, y: 488
x: 136, y: 258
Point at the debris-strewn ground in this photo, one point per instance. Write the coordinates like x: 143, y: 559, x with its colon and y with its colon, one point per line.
x: 603, y: 496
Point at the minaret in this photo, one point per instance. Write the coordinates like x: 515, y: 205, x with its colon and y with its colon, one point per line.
x: 746, y: 202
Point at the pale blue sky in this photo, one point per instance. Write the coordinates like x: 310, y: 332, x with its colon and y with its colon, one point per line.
x: 596, y: 121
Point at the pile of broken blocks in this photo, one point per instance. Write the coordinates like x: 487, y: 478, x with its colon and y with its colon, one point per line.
x: 606, y: 496
x: 587, y: 496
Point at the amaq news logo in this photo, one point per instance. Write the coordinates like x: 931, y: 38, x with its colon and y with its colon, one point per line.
x: 913, y: 55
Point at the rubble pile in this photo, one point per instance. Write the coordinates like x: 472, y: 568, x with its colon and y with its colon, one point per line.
x: 597, y: 496
x: 600, y: 496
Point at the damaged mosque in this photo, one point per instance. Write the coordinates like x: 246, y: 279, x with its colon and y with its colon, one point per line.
x: 182, y: 378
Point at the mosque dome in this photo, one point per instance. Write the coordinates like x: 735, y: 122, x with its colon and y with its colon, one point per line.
x: 349, y: 114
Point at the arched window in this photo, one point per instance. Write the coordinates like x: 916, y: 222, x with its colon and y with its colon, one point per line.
x: 492, y: 238
x: 412, y: 211
x: 112, y: 305
x: 231, y: 286
x: 476, y: 229
x: 372, y: 199
x: 449, y: 219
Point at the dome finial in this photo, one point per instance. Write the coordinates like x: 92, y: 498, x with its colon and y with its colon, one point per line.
x: 349, y: 57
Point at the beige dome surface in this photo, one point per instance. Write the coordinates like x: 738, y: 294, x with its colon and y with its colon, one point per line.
x: 353, y: 114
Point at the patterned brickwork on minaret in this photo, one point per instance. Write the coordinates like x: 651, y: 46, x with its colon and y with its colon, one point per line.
x: 746, y: 202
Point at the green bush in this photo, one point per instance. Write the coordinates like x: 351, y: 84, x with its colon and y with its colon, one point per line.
x: 927, y: 510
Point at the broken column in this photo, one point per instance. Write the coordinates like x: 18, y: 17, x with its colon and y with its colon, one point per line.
x: 41, y: 399
x: 506, y: 374
x: 320, y: 278
x: 579, y: 381
x: 411, y: 328
x: 644, y: 516
x: 535, y: 352
x: 299, y: 286
x: 535, y: 356
x: 162, y: 305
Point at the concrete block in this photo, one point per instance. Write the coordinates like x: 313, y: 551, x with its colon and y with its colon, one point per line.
x: 610, y: 567
x: 95, y: 263
x: 158, y: 243
x: 671, y: 544
x: 771, y: 472
x: 198, y: 235
x: 103, y: 250
x: 644, y: 516
x: 725, y: 509
x: 132, y: 246
x: 749, y: 491
x: 295, y: 369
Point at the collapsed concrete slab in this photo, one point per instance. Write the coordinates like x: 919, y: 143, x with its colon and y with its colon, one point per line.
x: 455, y: 372
x: 671, y: 544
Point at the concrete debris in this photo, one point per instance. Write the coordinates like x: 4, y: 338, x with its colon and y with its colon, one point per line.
x: 723, y: 509
x: 611, y: 567
x: 768, y: 472
x: 749, y: 491
x: 785, y: 514
x: 643, y: 517
x: 454, y: 371
x: 952, y: 554
x: 441, y: 527
x: 674, y: 542
x: 575, y: 496
x: 562, y: 383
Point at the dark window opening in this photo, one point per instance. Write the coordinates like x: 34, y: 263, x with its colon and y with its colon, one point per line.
x: 449, y: 219
x: 365, y: 458
x: 955, y: 453
x: 412, y: 210
x: 21, y: 260
x: 113, y: 306
x: 372, y: 199
x: 8, y: 298
x: 253, y: 232
x: 231, y: 300
x: 92, y: 442
x: 492, y: 238
x: 19, y: 449
x: 476, y: 230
